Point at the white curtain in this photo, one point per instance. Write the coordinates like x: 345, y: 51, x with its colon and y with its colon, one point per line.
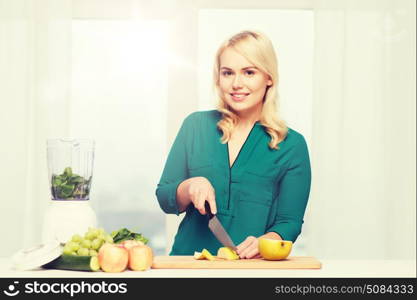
x: 34, y: 93
x: 363, y: 200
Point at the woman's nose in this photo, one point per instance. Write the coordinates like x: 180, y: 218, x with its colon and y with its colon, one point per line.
x: 237, y: 82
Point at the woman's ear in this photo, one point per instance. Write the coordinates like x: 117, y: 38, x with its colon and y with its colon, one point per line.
x: 269, y: 81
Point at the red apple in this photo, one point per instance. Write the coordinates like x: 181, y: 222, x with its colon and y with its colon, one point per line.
x: 140, y: 258
x: 113, y: 258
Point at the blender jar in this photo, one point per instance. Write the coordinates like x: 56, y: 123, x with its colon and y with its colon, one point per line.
x: 70, y: 169
x: 70, y: 166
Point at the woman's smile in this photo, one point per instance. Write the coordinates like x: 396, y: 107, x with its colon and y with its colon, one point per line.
x: 239, y: 97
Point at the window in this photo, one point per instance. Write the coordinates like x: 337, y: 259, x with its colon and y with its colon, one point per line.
x: 119, y: 95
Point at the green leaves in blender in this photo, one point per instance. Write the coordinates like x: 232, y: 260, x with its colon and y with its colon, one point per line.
x: 70, y: 186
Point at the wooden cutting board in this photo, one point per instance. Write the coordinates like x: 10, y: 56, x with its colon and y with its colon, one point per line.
x: 188, y: 262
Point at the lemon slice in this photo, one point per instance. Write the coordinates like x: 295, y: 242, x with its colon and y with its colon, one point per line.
x: 198, y: 255
x: 207, y: 254
x: 227, y: 253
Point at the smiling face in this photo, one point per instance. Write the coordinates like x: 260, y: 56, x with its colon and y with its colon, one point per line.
x: 242, y: 85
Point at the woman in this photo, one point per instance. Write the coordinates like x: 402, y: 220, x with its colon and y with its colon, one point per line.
x: 241, y: 158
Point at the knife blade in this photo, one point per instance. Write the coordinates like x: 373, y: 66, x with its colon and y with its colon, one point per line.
x: 217, y: 229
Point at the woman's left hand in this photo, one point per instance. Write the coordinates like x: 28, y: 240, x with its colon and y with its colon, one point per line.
x: 248, y: 248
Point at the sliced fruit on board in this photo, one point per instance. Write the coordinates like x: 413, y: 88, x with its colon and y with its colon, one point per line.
x: 227, y: 253
x: 205, y: 254
x: 198, y: 255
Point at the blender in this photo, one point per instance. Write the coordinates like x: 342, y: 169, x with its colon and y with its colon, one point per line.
x: 70, y: 170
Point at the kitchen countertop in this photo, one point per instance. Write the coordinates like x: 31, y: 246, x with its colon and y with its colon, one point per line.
x: 330, y: 269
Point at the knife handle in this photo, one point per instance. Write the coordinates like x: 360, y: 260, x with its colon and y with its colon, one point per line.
x: 208, y: 210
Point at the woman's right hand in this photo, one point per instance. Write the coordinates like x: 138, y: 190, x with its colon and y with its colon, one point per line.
x: 197, y: 190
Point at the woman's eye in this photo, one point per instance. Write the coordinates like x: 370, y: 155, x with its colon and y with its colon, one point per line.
x: 250, y: 72
x: 226, y: 73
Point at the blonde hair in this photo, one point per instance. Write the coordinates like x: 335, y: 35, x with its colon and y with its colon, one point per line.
x: 257, y: 49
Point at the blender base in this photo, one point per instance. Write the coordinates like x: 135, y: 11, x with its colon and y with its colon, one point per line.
x: 64, y: 218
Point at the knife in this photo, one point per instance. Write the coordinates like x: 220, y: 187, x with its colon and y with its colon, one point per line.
x: 217, y: 229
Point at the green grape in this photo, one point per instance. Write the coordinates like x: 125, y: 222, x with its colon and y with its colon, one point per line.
x: 73, y: 253
x: 86, y: 244
x: 90, y: 235
x: 76, y: 238
x: 95, y: 232
x: 74, y: 246
x: 96, y: 244
x: 67, y: 250
x: 101, y: 231
x: 93, y: 253
x: 83, y: 252
x: 101, y: 236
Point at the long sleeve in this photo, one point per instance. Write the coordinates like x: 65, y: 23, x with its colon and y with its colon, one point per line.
x: 175, y: 170
x: 293, y: 195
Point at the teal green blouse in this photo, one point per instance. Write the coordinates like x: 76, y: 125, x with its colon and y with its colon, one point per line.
x: 265, y: 190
